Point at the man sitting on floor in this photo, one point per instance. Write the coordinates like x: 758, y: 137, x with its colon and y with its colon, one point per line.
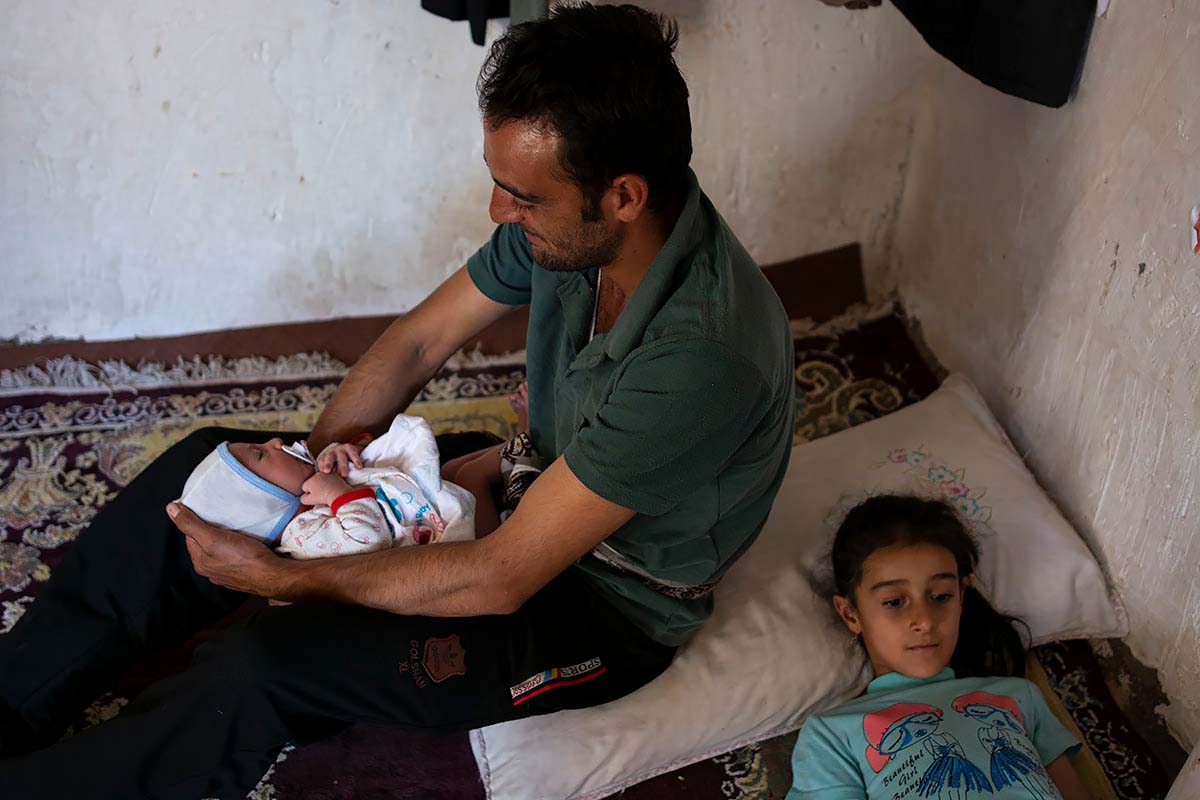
x: 660, y: 375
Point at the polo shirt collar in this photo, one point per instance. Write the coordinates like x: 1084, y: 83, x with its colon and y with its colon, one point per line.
x: 894, y: 680
x: 651, y: 292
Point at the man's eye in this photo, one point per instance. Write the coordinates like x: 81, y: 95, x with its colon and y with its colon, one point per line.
x: 945, y: 597
x: 522, y: 206
x: 895, y: 602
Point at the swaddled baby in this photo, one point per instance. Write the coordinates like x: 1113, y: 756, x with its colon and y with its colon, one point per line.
x: 396, y: 498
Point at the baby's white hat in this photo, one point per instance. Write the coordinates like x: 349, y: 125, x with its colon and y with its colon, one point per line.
x: 223, y: 492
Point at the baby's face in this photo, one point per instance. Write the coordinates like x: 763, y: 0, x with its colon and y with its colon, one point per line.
x: 269, y: 462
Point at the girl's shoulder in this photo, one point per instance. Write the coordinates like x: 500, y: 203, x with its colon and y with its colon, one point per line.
x: 1019, y: 690
x: 996, y: 682
x: 933, y: 692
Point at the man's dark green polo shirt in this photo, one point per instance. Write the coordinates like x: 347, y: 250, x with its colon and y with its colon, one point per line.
x: 682, y: 412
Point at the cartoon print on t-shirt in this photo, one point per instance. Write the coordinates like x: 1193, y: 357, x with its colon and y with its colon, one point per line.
x: 951, y: 776
x: 1001, y: 735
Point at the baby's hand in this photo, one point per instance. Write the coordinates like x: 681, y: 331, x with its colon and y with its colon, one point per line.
x: 340, y: 456
x: 323, y: 488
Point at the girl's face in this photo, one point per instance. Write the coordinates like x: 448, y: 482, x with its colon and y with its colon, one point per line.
x: 907, y: 609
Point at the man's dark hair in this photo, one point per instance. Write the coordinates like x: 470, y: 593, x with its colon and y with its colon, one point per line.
x: 604, y: 79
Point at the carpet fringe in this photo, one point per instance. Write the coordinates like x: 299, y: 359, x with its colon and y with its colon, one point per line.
x: 70, y: 375
x: 475, y: 359
x: 854, y: 316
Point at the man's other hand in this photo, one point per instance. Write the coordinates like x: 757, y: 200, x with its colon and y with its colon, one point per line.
x: 227, y: 558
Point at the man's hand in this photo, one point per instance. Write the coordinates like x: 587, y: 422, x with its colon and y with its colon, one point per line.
x: 389, y: 375
x: 226, y: 558
x: 323, y: 488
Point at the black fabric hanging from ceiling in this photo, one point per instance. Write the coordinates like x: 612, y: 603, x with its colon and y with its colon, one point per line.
x: 478, y: 12
x: 1033, y: 49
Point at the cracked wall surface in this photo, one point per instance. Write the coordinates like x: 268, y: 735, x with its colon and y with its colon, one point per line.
x: 1046, y: 254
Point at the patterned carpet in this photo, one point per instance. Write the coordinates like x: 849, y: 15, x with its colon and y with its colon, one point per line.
x: 72, y: 435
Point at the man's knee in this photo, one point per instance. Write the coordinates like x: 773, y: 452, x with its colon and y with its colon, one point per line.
x: 241, y: 657
x: 276, y: 639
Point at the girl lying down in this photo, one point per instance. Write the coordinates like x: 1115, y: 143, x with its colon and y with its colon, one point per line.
x: 947, y: 714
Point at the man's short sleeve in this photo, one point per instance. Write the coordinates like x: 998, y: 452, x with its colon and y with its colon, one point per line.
x: 503, y: 268
x: 1048, y: 735
x: 821, y: 767
x: 676, y: 415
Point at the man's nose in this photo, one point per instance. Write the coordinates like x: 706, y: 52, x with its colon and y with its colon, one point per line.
x: 502, y: 208
x: 275, y: 443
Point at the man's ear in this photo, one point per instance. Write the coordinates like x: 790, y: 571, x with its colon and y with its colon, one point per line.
x: 845, y: 609
x: 628, y: 196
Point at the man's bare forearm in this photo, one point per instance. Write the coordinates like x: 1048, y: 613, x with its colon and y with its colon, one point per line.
x: 557, y: 522
x: 410, y: 351
x: 383, y: 383
x: 455, y: 579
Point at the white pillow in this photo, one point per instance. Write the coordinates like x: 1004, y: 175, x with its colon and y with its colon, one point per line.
x: 773, y: 651
x: 1187, y: 783
x: 1032, y: 562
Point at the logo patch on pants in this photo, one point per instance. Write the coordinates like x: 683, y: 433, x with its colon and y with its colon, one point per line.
x: 554, y: 677
x: 444, y: 658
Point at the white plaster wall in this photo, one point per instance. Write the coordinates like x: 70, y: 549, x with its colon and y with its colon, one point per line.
x: 802, y: 117
x: 1046, y: 254
x: 174, y: 166
x: 169, y: 167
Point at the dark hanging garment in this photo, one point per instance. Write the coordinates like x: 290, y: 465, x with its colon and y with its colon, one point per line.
x: 1033, y: 49
x: 478, y: 12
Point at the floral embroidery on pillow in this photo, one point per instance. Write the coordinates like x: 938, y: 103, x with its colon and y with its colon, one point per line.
x: 932, y: 478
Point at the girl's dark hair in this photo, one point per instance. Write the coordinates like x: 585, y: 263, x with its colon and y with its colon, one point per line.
x: 988, y: 641
x: 605, y: 80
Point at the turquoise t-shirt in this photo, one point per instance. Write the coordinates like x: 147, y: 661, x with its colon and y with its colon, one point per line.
x: 941, y: 737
